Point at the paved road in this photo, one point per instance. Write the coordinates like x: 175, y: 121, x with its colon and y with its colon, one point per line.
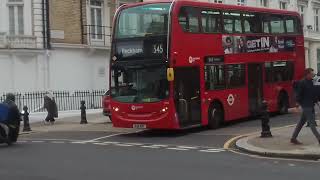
x: 192, y: 154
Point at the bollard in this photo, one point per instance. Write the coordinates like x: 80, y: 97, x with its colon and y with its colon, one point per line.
x: 83, y: 113
x: 26, y: 124
x: 265, y: 120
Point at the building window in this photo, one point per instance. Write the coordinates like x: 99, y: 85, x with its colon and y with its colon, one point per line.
x: 283, y: 5
x: 16, y: 20
x: 241, y: 2
x: 264, y: 3
x: 96, y: 27
x: 316, y: 19
x: 301, y: 12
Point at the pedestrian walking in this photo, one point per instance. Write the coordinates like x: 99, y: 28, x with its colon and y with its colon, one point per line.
x: 51, y: 107
x: 306, y: 97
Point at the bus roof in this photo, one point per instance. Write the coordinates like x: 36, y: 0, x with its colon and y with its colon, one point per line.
x: 197, y: 3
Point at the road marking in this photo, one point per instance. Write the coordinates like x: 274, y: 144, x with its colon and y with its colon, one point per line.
x: 104, y: 137
x: 37, y: 141
x: 22, y: 141
x: 230, y: 141
x: 124, y: 145
x: 160, y: 145
x: 111, y: 142
x: 78, y: 142
x: 58, y: 142
x: 135, y: 144
x: 187, y: 147
x: 101, y: 144
x: 178, y: 149
x: 218, y: 149
x: 291, y: 165
x: 152, y: 147
x: 212, y: 150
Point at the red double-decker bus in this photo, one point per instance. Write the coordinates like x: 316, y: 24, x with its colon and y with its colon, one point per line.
x: 180, y: 64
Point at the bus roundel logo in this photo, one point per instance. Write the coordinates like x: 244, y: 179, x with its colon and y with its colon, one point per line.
x: 230, y: 100
x: 134, y: 108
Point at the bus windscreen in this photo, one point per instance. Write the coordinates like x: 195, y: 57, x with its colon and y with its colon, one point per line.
x: 142, y: 21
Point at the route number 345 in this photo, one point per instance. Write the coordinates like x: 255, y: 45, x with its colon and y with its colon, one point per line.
x: 157, y: 49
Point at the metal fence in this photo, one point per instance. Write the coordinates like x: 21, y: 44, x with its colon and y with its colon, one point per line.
x: 65, y: 100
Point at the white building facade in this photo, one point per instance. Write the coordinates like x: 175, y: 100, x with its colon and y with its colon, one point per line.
x: 22, y: 52
x: 55, y: 45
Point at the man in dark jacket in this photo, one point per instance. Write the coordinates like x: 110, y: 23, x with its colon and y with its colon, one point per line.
x: 306, y: 98
x: 14, y: 117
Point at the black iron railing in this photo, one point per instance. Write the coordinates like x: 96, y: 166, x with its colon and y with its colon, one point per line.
x: 65, y: 100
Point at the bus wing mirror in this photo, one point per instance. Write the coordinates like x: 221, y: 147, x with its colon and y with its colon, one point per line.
x: 170, y: 74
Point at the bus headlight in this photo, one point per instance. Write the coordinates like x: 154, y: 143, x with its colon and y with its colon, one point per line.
x: 164, y: 109
x: 116, y: 109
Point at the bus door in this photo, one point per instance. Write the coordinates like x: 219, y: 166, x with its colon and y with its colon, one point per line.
x: 255, y: 87
x: 187, y: 95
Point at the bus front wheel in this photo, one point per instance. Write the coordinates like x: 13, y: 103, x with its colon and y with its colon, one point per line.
x: 215, y: 116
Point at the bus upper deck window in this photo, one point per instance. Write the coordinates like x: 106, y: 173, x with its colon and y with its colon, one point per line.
x: 266, y: 27
x: 291, y: 26
x: 277, y: 24
x: 251, y: 23
x: 232, y: 22
x: 210, y: 21
x: 188, y: 19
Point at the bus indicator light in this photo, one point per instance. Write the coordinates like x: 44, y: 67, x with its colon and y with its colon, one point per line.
x: 170, y: 74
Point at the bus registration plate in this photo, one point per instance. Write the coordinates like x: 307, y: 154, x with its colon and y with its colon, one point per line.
x: 139, y: 126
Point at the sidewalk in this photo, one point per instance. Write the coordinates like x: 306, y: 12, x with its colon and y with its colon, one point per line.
x: 70, y: 121
x: 39, y: 117
x: 279, y: 145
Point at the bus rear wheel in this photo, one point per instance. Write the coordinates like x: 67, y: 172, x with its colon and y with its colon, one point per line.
x: 215, y: 116
x: 283, y: 103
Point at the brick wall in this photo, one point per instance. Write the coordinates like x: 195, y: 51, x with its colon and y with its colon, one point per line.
x: 65, y: 16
